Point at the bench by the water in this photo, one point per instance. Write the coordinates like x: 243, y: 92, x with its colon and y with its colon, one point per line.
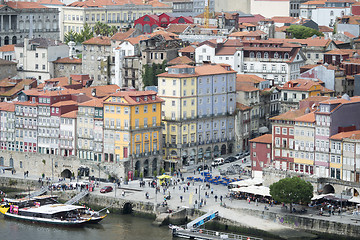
x: 209, y: 235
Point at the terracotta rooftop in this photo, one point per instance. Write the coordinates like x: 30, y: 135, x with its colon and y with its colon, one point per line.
x: 72, y: 114
x: 177, y: 28
x: 120, y: 36
x: 349, y: 35
x: 130, y: 97
x: 245, y: 87
x: 310, y: 117
x: 249, y: 78
x: 242, y: 107
x: 64, y: 103
x: 181, y: 60
x: 342, y: 135
x: 95, y: 102
x: 266, y: 138
x: 7, y: 106
x: 100, y: 40
x: 69, y: 60
x: 316, y: 99
x: 290, y: 115
x: 280, y: 19
x: 188, y: 49
x: 325, y: 29
x: 212, y: 69
x: 50, y: 2
x: 311, y: 42
x: 101, y: 91
x: 15, y: 87
x: 7, y: 48
x: 24, y: 5
x: 341, y: 100
x: 101, y: 3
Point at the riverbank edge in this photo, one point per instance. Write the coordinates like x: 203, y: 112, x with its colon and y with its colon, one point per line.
x: 147, y: 209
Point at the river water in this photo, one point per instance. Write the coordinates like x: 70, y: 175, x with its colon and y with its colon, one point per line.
x: 113, y: 227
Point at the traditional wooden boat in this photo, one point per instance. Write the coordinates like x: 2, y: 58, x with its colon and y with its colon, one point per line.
x: 42, y: 209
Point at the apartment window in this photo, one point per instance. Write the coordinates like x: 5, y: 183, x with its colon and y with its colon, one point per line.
x: 154, y: 107
x: 145, y: 109
x: 136, y: 110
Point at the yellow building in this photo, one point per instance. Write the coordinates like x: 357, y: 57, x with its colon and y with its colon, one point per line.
x: 304, y: 139
x: 132, y: 131
x: 179, y: 90
x: 115, y: 13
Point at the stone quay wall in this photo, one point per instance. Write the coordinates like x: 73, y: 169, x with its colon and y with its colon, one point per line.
x: 57, y: 166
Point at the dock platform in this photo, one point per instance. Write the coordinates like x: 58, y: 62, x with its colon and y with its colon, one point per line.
x: 204, y: 234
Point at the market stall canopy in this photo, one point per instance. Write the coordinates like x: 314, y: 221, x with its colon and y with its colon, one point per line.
x: 247, y: 182
x: 256, y: 190
x: 332, y: 197
x: 355, y: 199
x: 164, y: 176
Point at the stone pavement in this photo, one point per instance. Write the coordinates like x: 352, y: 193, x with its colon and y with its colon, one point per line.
x: 233, y: 211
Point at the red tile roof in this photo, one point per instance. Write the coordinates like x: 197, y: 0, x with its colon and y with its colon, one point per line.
x: 266, y: 138
x: 181, y: 60
x: 242, y: 107
x: 130, y: 97
x: 100, y: 40
x: 177, y: 28
x: 7, y: 106
x: 245, y: 87
x: 290, y: 115
x: 95, y: 102
x: 342, y: 135
x: 69, y: 60
x: 7, y: 48
x: 24, y: 5
x: 50, y: 2
x: 249, y: 78
x: 120, y: 36
x: 310, y: 117
x: 64, y: 103
x: 188, y: 49
x: 72, y: 114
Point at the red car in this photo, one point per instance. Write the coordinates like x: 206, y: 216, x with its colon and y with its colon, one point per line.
x: 106, y: 189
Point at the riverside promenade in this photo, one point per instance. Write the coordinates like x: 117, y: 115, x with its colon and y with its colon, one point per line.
x: 238, y: 212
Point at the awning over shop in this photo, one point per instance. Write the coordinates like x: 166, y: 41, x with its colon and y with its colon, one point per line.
x: 247, y: 182
x: 355, y: 199
x: 256, y: 190
x: 332, y: 197
x: 164, y: 176
x: 6, y: 168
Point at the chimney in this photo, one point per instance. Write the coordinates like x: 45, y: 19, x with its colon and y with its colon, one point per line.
x: 70, y: 80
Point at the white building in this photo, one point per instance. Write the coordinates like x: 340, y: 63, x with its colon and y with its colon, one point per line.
x: 325, y: 13
x: 35, y: 57
x: 273, y: 60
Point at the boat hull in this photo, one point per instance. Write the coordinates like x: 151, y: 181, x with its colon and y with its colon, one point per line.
x: 76, y: 223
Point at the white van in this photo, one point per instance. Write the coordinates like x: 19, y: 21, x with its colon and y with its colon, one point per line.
x: 217, y: 162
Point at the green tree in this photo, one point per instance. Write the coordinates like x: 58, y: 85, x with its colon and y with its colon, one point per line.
x: 302, y: 32
x: 150, y: 73
x: 292, y: 190
x: 85, y: 34
x: 113, y: 30
x: 70, y: 36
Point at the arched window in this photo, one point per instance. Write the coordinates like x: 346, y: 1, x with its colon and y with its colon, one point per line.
x: 181, y: 20
x: 276, y: 55
x: 146, y: 19
x: 286, y: 56
x: 258, y: 55
x: 6, y: 40
x: 266, y: 55
x: 14, y: 40
x: 252, y: 54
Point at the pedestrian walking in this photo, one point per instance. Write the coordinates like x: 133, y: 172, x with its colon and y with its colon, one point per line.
x: 221, y: 198
x: 248, y: 199
x: 216, y: 198
x: 181, y: 198
x: 195, y: 190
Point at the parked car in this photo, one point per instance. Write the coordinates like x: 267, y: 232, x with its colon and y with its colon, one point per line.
x: 247, y: 153
x: 106, y: 189
x: 217, y: 162
x: 230, y: 159
x: 239, y: 155
x: 201, y: 167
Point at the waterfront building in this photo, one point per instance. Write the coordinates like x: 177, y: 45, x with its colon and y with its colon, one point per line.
x: 133, y: 132
x: 304, y: 144
x: 7, y: 127
x: 283, y: 138
x: 26, y: 139
x: 68, y: 133
x: 90, y: 130
x: 260, y: 154
x: 199, y: 112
